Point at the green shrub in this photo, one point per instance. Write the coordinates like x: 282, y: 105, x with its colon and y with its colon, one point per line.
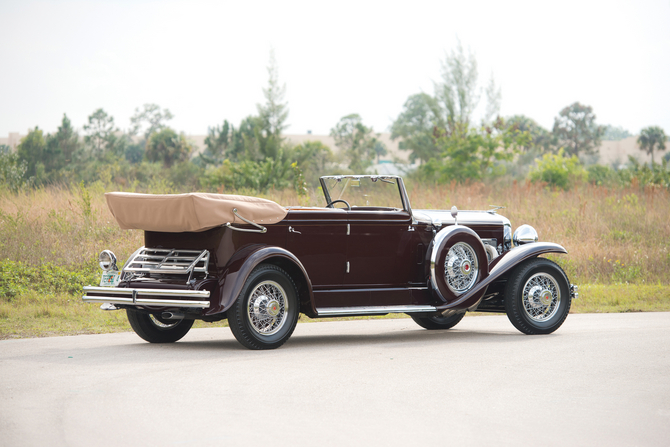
x: 17, y: 278
x: 558, y: 170
x: 602, y: 175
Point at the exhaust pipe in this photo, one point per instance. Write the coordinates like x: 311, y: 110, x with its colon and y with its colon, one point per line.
x: 172, y: 316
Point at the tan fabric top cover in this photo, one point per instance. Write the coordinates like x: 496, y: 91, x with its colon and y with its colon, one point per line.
x: 195, y: 211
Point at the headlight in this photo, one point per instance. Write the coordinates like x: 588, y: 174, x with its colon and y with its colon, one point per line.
x: 525, y: 234
x: 107, y: 260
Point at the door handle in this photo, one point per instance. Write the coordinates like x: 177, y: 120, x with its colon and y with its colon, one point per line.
x: 293, y: 230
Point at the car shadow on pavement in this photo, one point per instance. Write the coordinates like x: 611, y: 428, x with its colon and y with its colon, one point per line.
x: 298, y: 341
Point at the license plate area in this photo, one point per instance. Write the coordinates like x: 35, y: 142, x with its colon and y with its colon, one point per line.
x: 110, y: 278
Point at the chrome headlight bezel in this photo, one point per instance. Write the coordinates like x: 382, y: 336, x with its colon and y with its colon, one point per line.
x: 525, y: 234
x: 107, y: 260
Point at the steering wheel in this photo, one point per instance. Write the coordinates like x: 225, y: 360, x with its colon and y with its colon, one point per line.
x: 330, y: 205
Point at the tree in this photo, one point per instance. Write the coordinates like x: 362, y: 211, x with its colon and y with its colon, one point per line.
x: 652, y: 138
x: 458, y: 91
x: 356, y: 141
x: 540, y: 138
x: 576, y: 130
x: 450, y: 109
x: 31, y: 150
x: 493, y: 99
x: 415, y: 125
x: 100, y: 130
x: 472, y: 153
x: 62, y: 147
x: 12, y: 169
x: 273, y: 114
x: 150, y: 116
x: 379, y: 148
x: 168, y: 147
x: 312, y: 157
x: 216, y: 144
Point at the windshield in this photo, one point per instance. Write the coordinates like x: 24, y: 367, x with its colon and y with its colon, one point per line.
x: 368, y: 192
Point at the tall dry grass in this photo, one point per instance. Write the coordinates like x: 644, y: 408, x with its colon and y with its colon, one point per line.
x: 612, y: 235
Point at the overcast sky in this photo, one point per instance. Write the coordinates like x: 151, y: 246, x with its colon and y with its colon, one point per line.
x: 206, y: 61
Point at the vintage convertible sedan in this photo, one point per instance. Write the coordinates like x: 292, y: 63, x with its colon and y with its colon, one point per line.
x: 366, y: 252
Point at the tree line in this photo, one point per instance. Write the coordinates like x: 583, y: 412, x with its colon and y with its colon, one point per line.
x: 437, y: 130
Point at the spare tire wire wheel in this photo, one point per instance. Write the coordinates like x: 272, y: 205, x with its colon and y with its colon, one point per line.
x: 461, y: 268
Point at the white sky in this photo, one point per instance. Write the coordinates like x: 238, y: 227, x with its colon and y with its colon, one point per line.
x: 206, y: 61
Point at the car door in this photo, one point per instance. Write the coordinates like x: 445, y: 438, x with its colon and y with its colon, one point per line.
x: 318, y: 238
x: 381, y: 255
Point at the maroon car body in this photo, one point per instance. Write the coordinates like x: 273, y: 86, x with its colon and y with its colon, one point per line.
x: 330, y: 261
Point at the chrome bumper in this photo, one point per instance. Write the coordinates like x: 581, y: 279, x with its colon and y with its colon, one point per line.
x: 142, y: 297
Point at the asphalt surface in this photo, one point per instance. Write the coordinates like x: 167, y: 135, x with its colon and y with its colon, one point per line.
x: 599, y: 380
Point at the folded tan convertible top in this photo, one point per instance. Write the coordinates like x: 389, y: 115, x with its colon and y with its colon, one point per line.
x: 196, y: 211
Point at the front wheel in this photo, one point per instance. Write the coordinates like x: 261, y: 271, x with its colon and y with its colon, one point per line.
x: 266, y: 311
x: 155, y: 329
x: 537, y: 297
x: 438, y: 322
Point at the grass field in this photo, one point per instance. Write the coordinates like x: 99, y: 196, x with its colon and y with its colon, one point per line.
x: 618, y: 242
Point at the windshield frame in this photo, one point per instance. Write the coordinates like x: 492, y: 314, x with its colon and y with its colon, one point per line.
x: 398, y: 180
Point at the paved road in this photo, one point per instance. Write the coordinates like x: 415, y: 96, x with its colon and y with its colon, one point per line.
x: 600, y: 380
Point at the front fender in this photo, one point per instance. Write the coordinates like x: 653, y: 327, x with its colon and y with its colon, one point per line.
x: 501, y: 265
x: 240, y: 267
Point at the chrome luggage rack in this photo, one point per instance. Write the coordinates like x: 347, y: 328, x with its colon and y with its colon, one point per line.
x: 164, y: 261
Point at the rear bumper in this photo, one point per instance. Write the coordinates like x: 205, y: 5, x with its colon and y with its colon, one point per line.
x: 147, y: 297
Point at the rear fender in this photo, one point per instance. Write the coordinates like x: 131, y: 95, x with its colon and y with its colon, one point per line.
x: 501, y: 265
x: 242, y: 264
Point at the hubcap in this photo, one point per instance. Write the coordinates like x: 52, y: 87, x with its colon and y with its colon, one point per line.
x: 541, y: 297
x: 268, y: 307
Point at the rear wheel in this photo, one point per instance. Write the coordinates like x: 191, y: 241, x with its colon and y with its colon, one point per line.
x: 155, y: 329
x: 266, y: 311
x: 438, y: 322
x: 537, y: 297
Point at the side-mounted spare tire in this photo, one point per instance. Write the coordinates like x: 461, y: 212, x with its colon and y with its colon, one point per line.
x: 458, y: 261
x: 266, y: 311
x: 537, y: 296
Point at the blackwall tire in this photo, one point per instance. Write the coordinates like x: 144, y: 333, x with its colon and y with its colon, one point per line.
x: 155, y: 329
x: 438, y: 322
x: 266, y: 311
x: 537, y: 297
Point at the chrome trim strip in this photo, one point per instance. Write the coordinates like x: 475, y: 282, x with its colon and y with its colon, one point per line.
x: 145, y: 302
x: 146, y: 292
x: 376, y: 289
x: 367, y: 310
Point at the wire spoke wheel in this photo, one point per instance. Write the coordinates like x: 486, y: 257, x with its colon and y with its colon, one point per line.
x: 461, y: 267
x: 537, y: 296
x: 541, y: 297
x: 266, y: 311
x: 267, y: 308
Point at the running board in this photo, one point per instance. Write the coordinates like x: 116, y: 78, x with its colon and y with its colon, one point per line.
x: 373, y: 310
